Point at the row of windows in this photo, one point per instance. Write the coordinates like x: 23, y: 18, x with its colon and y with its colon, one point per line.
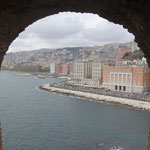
x: 116, y: 74
x: 117, y: 81
x: 141, y: 71
x: 137, y: 83
x: 116, y: 70
x: 96, y: 68
x: 126, y: 70
x: 78, y: 67
x: 120, y: 88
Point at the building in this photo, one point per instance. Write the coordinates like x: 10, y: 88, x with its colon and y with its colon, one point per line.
x: 141, y: 79
x: 97, y: 73
x: 117, y: 78
x: 65, y: 69
x: 52, y: 68
x: 87, y: 66
x: 122, y: 52
x: 78, y: 72
x: 133, y: 78
x: 71, y: 66
x: 59, y: 68
x: 87, y: 73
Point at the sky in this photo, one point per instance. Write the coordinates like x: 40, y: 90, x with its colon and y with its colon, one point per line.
x: 69, y: 29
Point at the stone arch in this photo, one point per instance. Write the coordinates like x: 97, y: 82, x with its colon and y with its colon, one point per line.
x: 16, y: 15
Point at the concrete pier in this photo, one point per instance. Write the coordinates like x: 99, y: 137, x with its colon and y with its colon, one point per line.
x: 136, y: 104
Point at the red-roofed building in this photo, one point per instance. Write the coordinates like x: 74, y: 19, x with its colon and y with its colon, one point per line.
x: 123, y: 52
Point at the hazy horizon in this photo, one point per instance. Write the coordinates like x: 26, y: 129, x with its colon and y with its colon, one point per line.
x: 45, y: 48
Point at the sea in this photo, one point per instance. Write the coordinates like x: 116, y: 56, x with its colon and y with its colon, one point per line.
x: 32, y: 119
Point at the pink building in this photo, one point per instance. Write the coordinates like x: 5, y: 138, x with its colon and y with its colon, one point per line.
x: 59, y: 68
x: 71, y: 66
x: 123, y: 52
x: 65, y: 69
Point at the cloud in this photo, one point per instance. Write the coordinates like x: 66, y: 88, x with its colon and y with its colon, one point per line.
x: 107, y: 32
x: 70, y: 29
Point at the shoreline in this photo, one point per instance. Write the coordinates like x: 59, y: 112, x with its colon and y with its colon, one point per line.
x: 38, y: 75
x: 128, y: 103
x: 18, y: 73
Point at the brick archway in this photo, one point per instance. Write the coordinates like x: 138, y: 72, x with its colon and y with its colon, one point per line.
x: 16, y: 15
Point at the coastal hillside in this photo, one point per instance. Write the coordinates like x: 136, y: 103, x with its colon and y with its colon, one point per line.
x: 138, y: 54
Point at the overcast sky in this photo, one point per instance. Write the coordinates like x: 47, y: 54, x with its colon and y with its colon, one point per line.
x: 70, y: 29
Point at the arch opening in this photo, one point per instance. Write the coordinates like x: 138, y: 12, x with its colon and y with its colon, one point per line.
x: 132, y: 14
x: 74, y: 31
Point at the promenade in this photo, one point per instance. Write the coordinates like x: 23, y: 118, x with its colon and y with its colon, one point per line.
x: 102, y: 91
x: 98, y: 95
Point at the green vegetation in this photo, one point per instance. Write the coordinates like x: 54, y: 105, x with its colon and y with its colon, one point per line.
x: 138, y: 54
x: 30, y: 68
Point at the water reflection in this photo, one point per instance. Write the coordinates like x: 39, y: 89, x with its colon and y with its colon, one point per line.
x: 105, y: 145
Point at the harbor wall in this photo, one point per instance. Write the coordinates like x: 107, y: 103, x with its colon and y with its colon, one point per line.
x: 142, y: 105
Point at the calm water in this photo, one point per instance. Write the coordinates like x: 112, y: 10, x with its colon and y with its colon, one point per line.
x: 38, y: 120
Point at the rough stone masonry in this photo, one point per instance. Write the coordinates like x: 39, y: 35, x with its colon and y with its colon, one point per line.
x: 16, y: 15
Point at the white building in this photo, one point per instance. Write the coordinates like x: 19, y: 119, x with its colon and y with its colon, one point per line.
x: 97, y: 73
x: 52, y: 68
x: 78, y: 72
x: 87, y: 73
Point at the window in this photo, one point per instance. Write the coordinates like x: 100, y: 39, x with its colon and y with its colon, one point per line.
x: 120, y: 88
x: 124, y: 88
x: 116, y: 87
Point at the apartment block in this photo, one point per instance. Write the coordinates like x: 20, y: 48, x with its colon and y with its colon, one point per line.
x: 87, y: 73
x: 59, y: 68
x: 71, y: 66
x: 141, y: 79
x: 65, y: 69
x: 97, y: 73
x: 117, y: 78
x: 78, y: 72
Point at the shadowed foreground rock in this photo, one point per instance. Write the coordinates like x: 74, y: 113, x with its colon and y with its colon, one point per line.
x: 16, y: 15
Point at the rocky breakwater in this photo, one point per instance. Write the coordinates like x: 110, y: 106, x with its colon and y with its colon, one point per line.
x: 131, y: 103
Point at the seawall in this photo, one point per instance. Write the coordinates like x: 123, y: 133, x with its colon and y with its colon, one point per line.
x: 142, y: 105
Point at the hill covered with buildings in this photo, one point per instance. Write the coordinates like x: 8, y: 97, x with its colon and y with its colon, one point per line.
x: 40, y: 60
x: 114, y: 66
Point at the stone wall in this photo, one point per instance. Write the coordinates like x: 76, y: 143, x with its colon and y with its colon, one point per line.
x: 16, y: 15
